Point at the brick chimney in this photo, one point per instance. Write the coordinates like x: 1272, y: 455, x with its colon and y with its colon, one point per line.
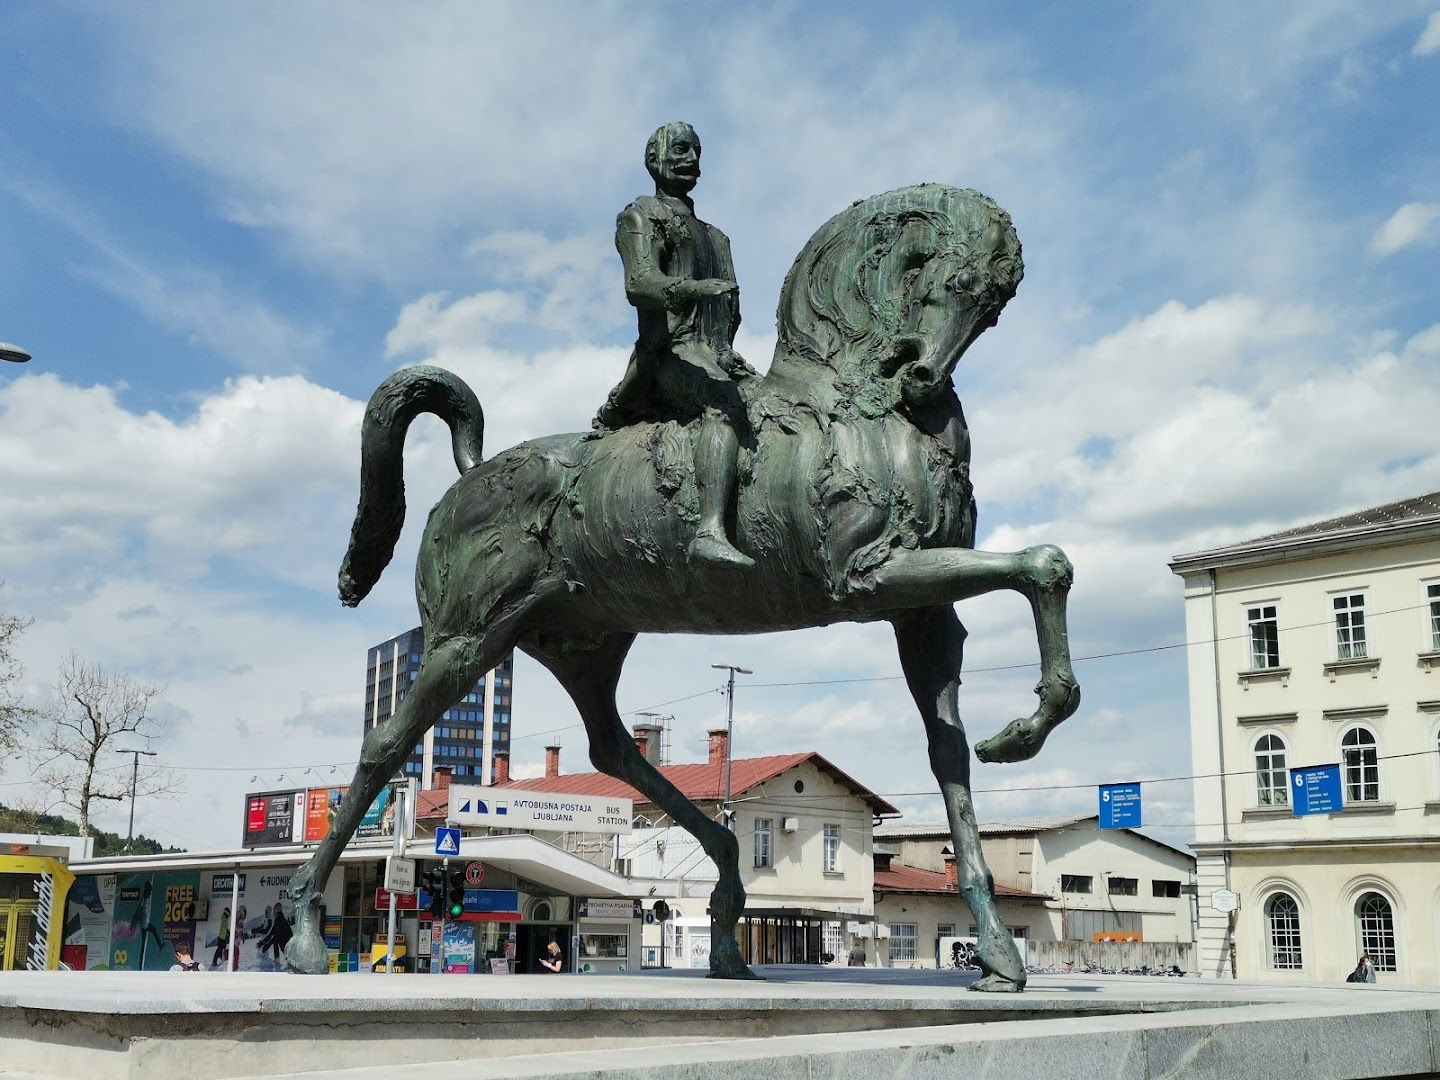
x: 442, y: 777
x: 552, y: 762
x: 502, y: 767
x: 952, y: 877
x: 642, y: 743
x: 719, y: 746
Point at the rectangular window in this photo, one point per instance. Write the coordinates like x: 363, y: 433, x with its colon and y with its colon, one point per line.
x: 903, y: 936
x: 762, y: 842
x: 1076, y: 883
x: 1350, y: 627
x: 1124, y: 886
x: 832, y: 848
x: 1264, y: 637
x: 1168, y: 889
x: 1432, y: 596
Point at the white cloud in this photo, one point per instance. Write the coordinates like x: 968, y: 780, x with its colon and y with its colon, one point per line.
x: 258, y: 472
x: 1428, y: 42
x: 1413, y: 223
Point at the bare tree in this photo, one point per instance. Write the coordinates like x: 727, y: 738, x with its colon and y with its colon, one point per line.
x: 13, y: 715
x: 92, y: 711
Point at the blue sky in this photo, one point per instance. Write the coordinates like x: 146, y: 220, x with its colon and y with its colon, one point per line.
x: 223, y: 225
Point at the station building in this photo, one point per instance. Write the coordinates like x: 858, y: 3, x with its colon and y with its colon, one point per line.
x: 1312, y: 647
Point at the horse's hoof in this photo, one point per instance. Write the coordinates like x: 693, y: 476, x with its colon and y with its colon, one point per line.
x: 997, y: 984
x: 742, y: 974
x: 305, y: 955
x: 1017, y: 742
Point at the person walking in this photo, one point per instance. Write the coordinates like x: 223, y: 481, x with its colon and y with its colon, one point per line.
x: 857, y: 955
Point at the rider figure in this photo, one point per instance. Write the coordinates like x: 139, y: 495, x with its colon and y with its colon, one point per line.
x: 681, y: 280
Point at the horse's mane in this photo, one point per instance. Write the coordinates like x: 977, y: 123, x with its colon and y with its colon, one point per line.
x: 844, y: 299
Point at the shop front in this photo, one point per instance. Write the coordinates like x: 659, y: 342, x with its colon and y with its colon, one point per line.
x: 33, y: 888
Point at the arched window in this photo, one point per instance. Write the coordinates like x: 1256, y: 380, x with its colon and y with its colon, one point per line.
x: 1375, y: 922
x: 1271, y: 788
x: 1362, y: 766
x: 1282, y: 918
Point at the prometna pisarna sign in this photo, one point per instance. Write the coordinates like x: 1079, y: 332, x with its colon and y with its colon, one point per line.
x: 544, y: 811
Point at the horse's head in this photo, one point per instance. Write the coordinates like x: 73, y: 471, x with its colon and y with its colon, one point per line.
x: 890, y: 293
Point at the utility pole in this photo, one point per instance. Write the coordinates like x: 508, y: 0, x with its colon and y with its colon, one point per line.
x: 729, y: 734
x: 134, y: 778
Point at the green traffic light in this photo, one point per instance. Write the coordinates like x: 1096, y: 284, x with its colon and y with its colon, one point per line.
x: 456, y: 910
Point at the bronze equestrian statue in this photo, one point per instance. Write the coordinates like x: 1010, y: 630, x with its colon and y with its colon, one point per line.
x: 852, y: 497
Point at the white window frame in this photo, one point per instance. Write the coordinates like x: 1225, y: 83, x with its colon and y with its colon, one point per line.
x: 831, y: 839
x: 1432, y: 615
x: 1294, y: 943
x: 764, y: 844
x: 1272, y: 782
x: 1255, y: 615
x: 1371, y: 940
x: 904, y: 934
x: 1346, y: 766
x: 1350, y: 645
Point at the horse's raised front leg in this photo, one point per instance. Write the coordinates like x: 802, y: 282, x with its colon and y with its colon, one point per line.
x: 590, y: 677
x: 448, y: 670
x: 931, y: 642
x: 913, y: 579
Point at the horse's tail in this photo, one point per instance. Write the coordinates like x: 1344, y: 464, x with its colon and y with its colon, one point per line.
x: 381, y: 513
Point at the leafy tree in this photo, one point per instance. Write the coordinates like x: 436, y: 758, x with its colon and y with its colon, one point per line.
x: 92, y: 713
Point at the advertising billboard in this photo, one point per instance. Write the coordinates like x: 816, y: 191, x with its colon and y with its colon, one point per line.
x: 304, y: 815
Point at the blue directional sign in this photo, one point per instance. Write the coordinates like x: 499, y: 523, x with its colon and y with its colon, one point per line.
x: 1316, y: 789
x: 1120, y: 806
x: 447, y: 841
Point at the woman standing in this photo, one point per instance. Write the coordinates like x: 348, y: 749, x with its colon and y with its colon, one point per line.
x: 551, y: 961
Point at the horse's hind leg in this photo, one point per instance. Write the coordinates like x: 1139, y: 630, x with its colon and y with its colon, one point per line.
x: 590, y: 677
x: 448, y: 670
x: 931, y: 642
x: 914, y: 579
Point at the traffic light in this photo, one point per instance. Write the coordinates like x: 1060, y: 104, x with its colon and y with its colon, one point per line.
x: 433, y: 882
x: 456, y: 894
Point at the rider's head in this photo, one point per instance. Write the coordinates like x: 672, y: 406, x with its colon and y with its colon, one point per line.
x: 672, y: 156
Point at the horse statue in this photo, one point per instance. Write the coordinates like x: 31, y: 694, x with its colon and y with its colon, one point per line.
x: 854, y: 500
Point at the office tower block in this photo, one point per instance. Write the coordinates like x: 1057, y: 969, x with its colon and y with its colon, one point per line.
x: 467, y: 736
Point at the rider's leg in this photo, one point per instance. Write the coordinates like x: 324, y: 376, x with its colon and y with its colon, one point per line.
x: 716, y: 451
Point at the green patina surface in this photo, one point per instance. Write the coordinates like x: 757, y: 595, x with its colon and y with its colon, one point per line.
x: 709, y: 499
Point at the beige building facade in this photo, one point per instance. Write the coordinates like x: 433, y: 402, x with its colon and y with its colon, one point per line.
x: 1057, y: 878
x: 1316, y: 646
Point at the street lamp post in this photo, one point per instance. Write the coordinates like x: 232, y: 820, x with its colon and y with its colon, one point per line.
x: 729, y: 733
x: 134, y: 778
x: 14, y: 353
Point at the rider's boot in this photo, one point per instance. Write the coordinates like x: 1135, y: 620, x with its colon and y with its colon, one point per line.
x: 716, y: 450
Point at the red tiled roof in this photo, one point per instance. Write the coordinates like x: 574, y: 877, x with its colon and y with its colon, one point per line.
x: 912, y: 879
x: 699, y: 783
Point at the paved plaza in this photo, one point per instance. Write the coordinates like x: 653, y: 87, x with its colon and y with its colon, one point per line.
x: 799, y: 1022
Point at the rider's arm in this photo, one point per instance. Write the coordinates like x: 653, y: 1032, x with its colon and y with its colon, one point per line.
x: 646, y: 286
x: 639, y: 247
